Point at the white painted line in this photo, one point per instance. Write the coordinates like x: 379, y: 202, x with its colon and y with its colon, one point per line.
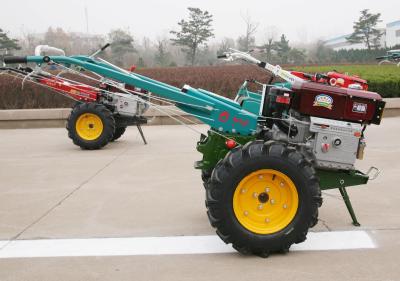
x: 316, y: 241
x: 3, y: 243
x: 335, y: 240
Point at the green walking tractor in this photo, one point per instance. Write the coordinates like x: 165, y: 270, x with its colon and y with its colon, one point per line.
x: 267, y: 155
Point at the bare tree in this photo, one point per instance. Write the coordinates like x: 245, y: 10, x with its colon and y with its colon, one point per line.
x: 162, y: 56
x: 28, y: 41
x: 57, y: 37
x: 225, y: 44
x: 270, y: 37
x: 246, y: 41
x: 146, y: 42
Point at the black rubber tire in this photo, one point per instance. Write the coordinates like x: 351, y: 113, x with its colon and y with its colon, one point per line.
x: 106, y: 118
x: 206, y: 177
x: 240, y: 162
x: 119, y: 131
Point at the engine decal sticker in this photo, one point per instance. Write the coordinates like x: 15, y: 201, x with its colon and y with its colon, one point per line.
x: 359, y: 107
x: 240, y: 121
x: 324, y: 101
x: 224, y: 116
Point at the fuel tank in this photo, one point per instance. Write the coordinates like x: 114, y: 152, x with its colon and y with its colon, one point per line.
x: 343, y: 80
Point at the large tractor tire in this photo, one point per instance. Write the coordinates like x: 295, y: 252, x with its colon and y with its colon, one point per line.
x: 263, y: 197
x: 206, y: 177
x: 119, y: 131
x: 90, y: 125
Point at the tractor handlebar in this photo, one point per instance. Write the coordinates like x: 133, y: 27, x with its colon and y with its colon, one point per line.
x: 15, y: 59
x: 276, y: 70
x: 40, y: 49
x: 233, y: 54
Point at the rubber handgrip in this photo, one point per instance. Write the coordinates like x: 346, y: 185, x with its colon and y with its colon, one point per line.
x: 14, y: 59
x: 105, y: 46
x: 222, y: 56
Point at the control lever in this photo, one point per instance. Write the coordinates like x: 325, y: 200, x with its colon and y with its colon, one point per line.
x: 100, y: 50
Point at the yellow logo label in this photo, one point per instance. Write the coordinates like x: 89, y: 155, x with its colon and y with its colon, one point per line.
x: 324, y: 101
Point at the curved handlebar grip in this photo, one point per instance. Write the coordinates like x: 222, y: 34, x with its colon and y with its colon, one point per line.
x: 222, y: 56
x: 105, y: 46
x: 15, y: 59
x: 40, y: 49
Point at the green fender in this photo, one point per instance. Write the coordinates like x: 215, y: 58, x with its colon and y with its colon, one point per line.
x: 213, y: 148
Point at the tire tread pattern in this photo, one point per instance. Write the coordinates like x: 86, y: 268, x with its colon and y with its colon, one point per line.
x: 119, y: 131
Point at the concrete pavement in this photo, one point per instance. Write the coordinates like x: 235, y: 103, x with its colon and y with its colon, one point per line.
x: 51, y: 189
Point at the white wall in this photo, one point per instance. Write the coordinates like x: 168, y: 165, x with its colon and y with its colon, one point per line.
x: 393, y: 34
x: 341, y: 43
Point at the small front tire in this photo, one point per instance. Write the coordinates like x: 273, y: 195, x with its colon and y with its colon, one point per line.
x: 90, y: 125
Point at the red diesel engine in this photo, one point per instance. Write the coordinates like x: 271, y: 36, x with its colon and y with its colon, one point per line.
x: 327, y: 122
x: 324, y: 101
x: 320, y: 100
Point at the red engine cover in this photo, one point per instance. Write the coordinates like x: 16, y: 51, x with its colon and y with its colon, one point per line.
x: 325, y: 101
x: 343, y: 80
x: 334, y: 79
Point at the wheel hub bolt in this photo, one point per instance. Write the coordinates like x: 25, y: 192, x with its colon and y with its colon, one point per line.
x: 246, y: 213
x: 260, y: 177
x: 267, y: 189
x: 260, y: 207
x: 243, y: 190
x: 272, y: 201
x: 255, y: 194
x: 282, y: 184
x: 267, y: 220
x: 284, y: 206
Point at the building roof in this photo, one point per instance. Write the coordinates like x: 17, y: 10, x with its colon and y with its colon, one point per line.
x: 394, y: 23
x: 336, y: 38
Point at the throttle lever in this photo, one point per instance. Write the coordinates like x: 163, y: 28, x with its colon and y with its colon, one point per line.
x: 100, y: 50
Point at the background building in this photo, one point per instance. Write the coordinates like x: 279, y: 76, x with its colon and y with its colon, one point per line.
x: 341, y: 42
x: 393, y: 33
x: 390, y: 38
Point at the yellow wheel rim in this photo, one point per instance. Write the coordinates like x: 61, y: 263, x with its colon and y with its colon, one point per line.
x: 89, y: 126
x: 265, y: 201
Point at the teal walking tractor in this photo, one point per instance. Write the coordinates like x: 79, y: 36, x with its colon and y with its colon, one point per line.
x: 267, y: 155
